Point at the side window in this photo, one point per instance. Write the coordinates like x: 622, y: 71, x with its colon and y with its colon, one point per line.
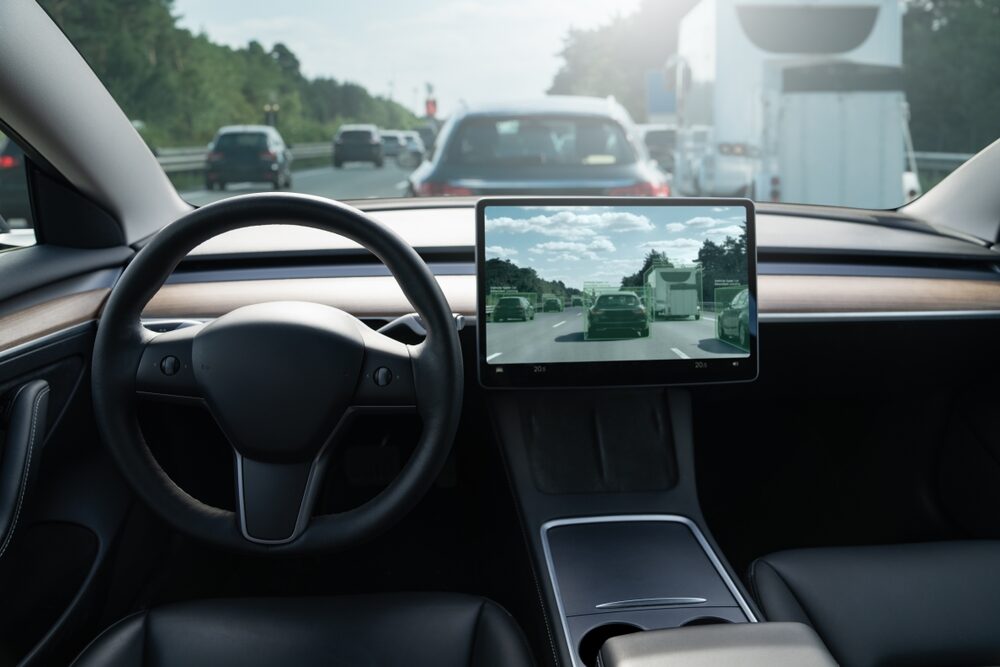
x: 16, y: 221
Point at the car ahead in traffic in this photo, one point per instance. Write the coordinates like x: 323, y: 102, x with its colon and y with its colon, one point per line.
x: 513, y: 308
x: 14, y: 206
x: 577, y: 302
x: 248, y: 154
x: 617, y: 313
x: 562, y: 144
x: 392, y: 142
x: 733, y: 321
x: 552, y: 305
x: 358, y: 143
x: 660, y: 141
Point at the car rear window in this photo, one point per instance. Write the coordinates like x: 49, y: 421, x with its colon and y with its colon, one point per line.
x: 540, y: 140
x: 390, y: 139
x: 613, y: 300
x: 509, y: 301
x: 237, y: 140
x: 356, y: 136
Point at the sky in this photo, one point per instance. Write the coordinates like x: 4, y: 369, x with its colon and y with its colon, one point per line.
x: 474, y: 51
x: 602, y: 243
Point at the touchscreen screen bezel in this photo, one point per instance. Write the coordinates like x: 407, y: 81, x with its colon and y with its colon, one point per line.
x: 659, y: 372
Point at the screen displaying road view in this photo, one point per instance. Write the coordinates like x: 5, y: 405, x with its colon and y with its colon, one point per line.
x: 615, y: 283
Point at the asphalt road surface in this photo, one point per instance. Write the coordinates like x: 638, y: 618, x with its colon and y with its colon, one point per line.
x: 555, y: 337
x: 353, y: 181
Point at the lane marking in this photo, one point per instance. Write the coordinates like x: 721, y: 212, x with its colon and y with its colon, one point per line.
x: 402, y: 185
x: 679, y: 353
x: 710, y: 319
x: 579, y: 314
x: 493, y: 356
x: 559, y: 325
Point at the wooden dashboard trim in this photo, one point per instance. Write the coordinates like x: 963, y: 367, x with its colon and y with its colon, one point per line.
x: 381, y: 296
x: 50, y: 316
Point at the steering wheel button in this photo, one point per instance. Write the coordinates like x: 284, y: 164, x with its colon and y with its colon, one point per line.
x: 169, y: 365
x: 382, y: 376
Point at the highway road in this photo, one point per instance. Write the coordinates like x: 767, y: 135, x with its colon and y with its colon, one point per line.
x: 555, y: 337
x: 353, y: 181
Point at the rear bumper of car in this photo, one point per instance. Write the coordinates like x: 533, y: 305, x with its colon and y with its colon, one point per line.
x: 357, y: 153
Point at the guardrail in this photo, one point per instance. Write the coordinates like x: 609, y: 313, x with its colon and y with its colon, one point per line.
x: 940, y: 162
x: 176, y: 160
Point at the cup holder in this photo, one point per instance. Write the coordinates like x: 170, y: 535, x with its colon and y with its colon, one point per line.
x: 591, y: 643
x: 704, y: 620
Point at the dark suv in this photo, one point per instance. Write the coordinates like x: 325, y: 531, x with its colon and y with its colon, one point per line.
x: 358, y: 143
x: 618, y: 312
x: 248, y: 153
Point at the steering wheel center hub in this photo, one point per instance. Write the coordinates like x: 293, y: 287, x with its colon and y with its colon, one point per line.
x: 279, y: 376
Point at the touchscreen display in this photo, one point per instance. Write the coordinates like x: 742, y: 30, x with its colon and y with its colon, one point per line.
x: 611, y: 283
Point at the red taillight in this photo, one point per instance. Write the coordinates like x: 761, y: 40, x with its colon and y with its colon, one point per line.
x: 8, y: 162
x: 436, y: 189
x: 642, y: 189
x: 214, y: 156
x: 376, y: 141
x: 596, y: 311
x: 269, y: 156
x: 734, y: 149
x: 775, y: 188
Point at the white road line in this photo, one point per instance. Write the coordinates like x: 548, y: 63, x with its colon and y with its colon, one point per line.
x: 710, y: 319
x: 402, y: 185
x: 678, y: 353
x: 493, y: 356
x: 559, y: 324
x: 579, y: 314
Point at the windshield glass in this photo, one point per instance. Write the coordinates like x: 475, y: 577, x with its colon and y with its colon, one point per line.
x: 860, y: 103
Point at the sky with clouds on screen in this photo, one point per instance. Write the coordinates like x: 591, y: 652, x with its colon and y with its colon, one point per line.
x: 603, y: 243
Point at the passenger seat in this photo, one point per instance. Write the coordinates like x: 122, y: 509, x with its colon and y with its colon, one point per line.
x: 914, y: 604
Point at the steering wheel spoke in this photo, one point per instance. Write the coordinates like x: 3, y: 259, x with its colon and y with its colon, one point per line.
x: 275, y: 500
x: 386, y: 383
x: 166, y: 368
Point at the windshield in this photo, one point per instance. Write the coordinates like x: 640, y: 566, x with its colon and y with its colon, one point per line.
x: 859, y: 103
x: 617, y: 301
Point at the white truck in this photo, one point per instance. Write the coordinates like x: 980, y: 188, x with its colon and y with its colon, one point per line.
x: 674, y: 292
x: 803, y: 99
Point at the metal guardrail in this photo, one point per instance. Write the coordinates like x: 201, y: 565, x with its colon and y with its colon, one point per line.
x: 174, y: 160
x: 945, y: 162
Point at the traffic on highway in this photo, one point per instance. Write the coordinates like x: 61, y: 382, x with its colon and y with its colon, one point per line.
x: 616, y: 282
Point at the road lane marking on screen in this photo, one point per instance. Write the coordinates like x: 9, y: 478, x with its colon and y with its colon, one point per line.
x: 579, y: 314
x: 559, y: 324
x: 710, y: 319
x: 679, y: 353
x: 493, y: 356
x: 402, y: 185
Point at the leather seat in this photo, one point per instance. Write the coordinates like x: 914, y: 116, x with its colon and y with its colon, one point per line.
x: 444, y: 630
x: 914, y: 604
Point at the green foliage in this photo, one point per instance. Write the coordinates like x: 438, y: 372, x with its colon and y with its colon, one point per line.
x: 723, y: 262
x: 652, y: 257
x: 613, y: 59
x: 504, y: 273
x: 951, y: 70
x: 184, y: 87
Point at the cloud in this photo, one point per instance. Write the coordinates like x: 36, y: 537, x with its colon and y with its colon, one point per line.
x: 676, y: 227
x: 704, y: 221
x: 601, y: 243
x: 671, y: 244
x: 731, y: 230
x: 500, y: 251
x: 573, y: 225
x: 564, y: 257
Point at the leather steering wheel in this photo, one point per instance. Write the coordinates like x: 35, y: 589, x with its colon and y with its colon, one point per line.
x: 283, y: 380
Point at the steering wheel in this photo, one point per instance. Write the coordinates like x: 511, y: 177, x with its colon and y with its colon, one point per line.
x: 283, y: 380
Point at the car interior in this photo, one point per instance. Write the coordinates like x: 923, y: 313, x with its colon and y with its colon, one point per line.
x: 268, y: 431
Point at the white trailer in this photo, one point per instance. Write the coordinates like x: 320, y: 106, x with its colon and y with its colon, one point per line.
x: 794, y: 92
x: 674, y: 292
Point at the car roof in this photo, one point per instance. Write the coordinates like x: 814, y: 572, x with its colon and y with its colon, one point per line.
x: 563, y: 105
x: 230, y: 129
x: 368, y: 127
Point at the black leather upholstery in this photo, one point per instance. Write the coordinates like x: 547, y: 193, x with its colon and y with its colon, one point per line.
x: 915, y: 604
x: 443, y: 630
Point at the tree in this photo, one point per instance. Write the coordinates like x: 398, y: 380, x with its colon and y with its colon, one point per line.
x: 652, y: 257
x: 184, y: 86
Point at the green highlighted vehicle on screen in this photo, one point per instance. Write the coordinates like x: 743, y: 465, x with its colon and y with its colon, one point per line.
x: 617, y: 313
x: 513, y: 308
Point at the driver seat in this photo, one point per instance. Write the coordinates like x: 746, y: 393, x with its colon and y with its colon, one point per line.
x: 444, y: 630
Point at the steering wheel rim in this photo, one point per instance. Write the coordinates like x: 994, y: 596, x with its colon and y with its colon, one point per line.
x: 122, y: 354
